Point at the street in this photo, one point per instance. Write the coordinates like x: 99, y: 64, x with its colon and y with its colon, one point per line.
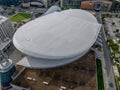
x: 108, y: 64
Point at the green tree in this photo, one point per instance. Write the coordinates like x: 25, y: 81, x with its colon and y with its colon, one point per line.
x: 113, y: 23
x: 118, y: 78
x: 107, y: 14
x: 117, y: 30
x: 116, y: 15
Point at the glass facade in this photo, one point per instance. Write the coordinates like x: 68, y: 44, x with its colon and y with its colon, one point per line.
x: 8, y: 2
x: 71, y: 3
x: 116, y: 5
x: 6, y: 77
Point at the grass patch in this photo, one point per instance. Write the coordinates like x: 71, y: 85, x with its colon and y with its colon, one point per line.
x: 99, y: 75
x: 20, y: 16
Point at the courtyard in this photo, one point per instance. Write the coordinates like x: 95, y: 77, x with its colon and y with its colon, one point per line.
x: 20, y: 17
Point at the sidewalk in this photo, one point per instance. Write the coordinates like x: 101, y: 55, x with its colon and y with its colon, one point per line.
x: 100, y: 55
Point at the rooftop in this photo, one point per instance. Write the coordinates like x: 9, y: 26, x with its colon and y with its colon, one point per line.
x: 58, y: 35
x: 3, y: 44
x: 2, y: 19
x: 79, y: 75
x: 87, y: 5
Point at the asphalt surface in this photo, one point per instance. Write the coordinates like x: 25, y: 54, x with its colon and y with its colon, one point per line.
x: 14, y: 54
x: 108, y: 64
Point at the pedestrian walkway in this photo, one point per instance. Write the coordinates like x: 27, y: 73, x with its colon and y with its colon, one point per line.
x: 100, y: 55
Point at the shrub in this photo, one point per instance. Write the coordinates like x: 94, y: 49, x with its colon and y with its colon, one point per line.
x: 114, y: 46
x: 107, y: 14
x: 113, y: 23
x: 116, y: 15
x: 118, y: 35
x: 118, y: 78
x: 119, y: 69
x: 117, y: 30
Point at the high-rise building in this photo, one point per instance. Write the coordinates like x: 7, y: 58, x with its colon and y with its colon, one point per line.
x: 6, y: 32
x: 71, y: 3
x: 8, y: 2
x: 116, y: 5
x: 6, y: 66
x: 7, y: 69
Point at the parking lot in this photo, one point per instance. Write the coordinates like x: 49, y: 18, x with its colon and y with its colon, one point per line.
x: 113, y: 26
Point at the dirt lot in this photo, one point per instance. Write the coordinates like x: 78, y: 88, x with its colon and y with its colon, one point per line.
x: 79, y: 75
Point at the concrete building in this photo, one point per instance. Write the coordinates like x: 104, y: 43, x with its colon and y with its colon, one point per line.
x: 70, y: 3
x: 57, y: 39
x: 105, y: 5
x: 116, y: 5
x: 6, y: 32
x: 39, y: 3
x: 48, y: 3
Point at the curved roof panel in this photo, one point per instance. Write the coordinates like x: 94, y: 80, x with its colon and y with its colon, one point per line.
x: 52, y: 9
x: 58, y: 35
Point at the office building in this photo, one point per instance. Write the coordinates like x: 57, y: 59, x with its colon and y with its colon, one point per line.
x: 116, y: 5
x: 70, y: 3
x: 6, y: 32
x: 9, y: 2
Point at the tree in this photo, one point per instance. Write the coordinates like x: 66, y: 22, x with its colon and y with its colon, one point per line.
x: 119, y: 41
x: 113, y: 23
x: 118, y: 35
x: 110, y: 16
x: 119, y: 69
x: 118, y: 78
x: 117, y: 30
x: 107, y: 14
x: 116, y: 15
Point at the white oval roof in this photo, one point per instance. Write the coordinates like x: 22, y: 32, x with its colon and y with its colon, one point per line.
x: 58, y: 35
x: 52, y: 9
